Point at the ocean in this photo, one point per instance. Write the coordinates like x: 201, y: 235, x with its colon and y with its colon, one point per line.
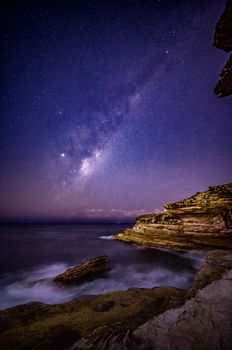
x: 32, y: 255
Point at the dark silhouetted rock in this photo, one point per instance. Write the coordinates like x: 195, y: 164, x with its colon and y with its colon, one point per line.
x: 223, y: 87
x: 203, y: 220
x: 223, y: 30
x: 223, y: 41
x: 89, y: 269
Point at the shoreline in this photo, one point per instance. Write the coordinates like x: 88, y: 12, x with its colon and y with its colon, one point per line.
x: 145, y: 317
x: 118, y: 310
x: 201, y: 221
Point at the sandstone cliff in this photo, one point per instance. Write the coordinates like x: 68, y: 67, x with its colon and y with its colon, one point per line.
x: 203, y: 220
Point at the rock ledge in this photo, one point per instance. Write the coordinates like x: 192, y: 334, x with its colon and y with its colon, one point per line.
x: 203, y: 220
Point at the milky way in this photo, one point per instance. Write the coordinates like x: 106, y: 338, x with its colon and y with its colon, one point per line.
x: 107, y: 108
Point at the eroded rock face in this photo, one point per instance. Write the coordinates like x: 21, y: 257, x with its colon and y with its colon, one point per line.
x: 204, y: 322
x: 203, y: 220
x: 217, y: 263
x: 136, y: 319
x: 195, y: 324
x: 223, y: 41
x: 107, y: 338
x: 82, y: 272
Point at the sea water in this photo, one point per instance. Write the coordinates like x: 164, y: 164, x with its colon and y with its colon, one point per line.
x: 32, y: 255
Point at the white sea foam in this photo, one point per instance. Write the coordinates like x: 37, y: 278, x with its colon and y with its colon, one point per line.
x: 38, y: 285
x: 139, y: 267
x: 106, y: 237
x: 35, y: 285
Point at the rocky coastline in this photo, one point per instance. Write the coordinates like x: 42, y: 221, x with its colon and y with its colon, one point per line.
x: 157, y: 318
x: 161, y: 318
x: 202, y: 221
x: 139, y: 318
x: 223, y: 41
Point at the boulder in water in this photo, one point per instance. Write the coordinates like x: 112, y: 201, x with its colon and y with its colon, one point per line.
x: 91, y: 268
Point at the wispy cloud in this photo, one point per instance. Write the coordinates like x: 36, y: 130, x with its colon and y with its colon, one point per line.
x: 115, y: 213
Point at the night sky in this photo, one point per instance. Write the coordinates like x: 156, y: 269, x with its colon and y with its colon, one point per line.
x: 107, y: 107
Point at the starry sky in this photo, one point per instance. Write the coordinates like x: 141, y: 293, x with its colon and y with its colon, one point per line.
x: 107, y: 107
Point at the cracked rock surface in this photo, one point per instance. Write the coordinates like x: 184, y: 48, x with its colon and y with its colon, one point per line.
x: 204, y: 322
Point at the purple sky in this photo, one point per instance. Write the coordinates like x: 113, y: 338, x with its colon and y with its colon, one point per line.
x: 107, y: 108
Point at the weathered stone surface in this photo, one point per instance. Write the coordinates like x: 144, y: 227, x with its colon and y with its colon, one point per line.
x: 136, y: 319
x: 107, y: 338
x: 223, y: 40
x: 216, y: 264
x: 40, y: 326
x: 215, y: 200
x: 202, y: 323
x: 203, y: 220
x: 181, y: 327
x: 82, y: 272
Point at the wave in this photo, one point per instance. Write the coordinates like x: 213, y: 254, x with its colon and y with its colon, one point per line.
x: 107, y: 237
x: 38, y: 285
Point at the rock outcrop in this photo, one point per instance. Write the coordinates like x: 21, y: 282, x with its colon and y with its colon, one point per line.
x: 223, y: 30
x: 107, y: 338
x: 223, y: 41
x: 200, y: 323
x: 223, y: 87
x: 89, y: 269
x: 203, y: 220
x: 57, y: 327
x: 204, y: 322
x: 216, y: 264
x: 136, y: 319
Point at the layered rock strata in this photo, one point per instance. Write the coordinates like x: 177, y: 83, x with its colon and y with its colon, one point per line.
x: 89, y: 269
x: 203, y: 220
